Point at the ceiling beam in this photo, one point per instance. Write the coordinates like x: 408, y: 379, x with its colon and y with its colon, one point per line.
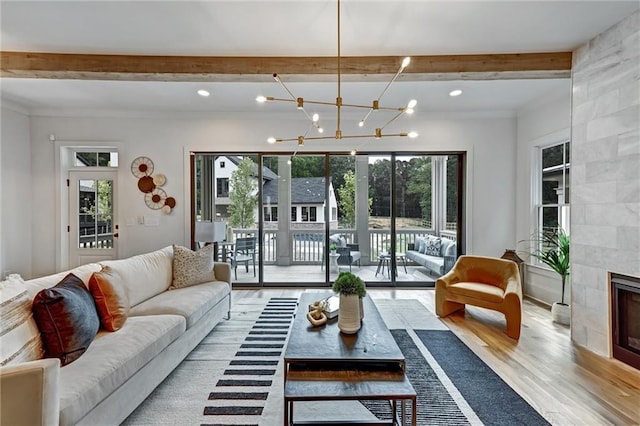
x: 261, y: 68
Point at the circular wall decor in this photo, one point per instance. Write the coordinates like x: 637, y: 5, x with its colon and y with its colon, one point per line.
x: 145, y: 184
x: 166, y: 209
x: 142, y: 166
x: 159, y: 179
x: 155, y: 199
x: 170, y: 201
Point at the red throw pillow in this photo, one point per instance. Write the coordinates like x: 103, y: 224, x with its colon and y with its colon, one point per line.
x: 67, y: 319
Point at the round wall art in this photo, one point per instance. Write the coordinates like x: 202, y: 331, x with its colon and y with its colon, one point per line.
x: 154, y: 197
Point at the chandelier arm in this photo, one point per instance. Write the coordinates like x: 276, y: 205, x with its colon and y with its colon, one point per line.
x: 393, y: 119
x: 287, y: 89
x: 390, y: 82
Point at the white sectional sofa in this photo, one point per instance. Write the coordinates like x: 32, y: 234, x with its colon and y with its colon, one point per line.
x: 120, y: 368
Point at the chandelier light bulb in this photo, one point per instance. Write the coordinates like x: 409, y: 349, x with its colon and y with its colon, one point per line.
x: 361, y: 123
x: 405, y: 62
x: 271, y: 140
x: 315, y: 117
x: 353, y: 152
x: 203, y: 93
x: 261, y: 99
x: 412, y: 104
x: 409, y: 110
x: 413, y: 135
x: 320, y: 130
x: 456, y: 92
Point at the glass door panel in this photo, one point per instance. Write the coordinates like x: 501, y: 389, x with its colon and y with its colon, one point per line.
x: 293, y: 219
x: 348, y: 214
x: 379, y: 224
x: 414, y: 217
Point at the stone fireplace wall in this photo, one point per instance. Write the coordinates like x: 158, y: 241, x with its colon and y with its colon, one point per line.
x: 605, y: 176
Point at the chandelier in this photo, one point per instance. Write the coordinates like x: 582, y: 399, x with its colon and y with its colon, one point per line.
x: 339, y: 104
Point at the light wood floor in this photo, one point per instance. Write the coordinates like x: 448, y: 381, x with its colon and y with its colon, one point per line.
x: 567, y: 384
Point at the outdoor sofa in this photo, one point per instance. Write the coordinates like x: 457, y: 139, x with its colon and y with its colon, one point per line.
x: 437, y: 254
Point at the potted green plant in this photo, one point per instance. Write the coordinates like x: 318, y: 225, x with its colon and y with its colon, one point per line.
x: 351, y: 290
x: 333, y: 247
x: 552, y: 249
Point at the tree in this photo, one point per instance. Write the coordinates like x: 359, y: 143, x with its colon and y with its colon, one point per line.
x: 420, y: 185
x: 242, y: 193
x: 102, y: 208
x: 347, y: 201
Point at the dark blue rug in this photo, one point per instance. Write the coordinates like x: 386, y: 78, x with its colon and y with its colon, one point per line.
x: 493, y: 400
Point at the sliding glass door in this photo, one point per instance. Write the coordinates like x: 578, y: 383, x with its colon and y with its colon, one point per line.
x: 301, y: 219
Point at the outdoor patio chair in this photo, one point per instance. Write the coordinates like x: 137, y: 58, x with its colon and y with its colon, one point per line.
x: 244, y: 252
x: 349, y: 255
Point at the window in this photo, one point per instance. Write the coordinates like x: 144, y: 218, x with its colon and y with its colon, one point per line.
x: 334, y: 213
x: 222, y: 187
x: 294, y: 214
x: 222, y: 164
x: 87, y: 158
x: 553, y: 208
x: 270, y: 214
x: 309, y: 214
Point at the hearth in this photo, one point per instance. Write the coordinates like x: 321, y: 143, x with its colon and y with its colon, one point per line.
x: 625, y: 319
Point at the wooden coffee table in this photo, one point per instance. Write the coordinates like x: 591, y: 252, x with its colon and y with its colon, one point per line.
x: 321, y: 363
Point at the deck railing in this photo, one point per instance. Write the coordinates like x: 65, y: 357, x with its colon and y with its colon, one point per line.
x: 307, y: 246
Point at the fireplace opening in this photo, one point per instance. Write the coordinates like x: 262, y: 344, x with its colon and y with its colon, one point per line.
x: 625, y: 319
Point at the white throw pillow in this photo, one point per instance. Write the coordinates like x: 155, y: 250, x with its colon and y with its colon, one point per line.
x: 192, y: 267
x: 20, y: 339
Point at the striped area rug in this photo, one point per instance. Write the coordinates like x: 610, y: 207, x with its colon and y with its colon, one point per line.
x: 244, y: 387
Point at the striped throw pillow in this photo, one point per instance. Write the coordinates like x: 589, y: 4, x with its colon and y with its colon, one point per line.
x: 20, y: 339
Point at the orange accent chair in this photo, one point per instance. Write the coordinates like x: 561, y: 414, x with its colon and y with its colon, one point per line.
x: 487, y: 282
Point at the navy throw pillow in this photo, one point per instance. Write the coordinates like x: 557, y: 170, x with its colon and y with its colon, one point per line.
x: 67, y: 318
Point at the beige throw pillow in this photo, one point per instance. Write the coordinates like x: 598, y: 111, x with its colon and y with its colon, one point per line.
x: 192, y: 267
x: 19, y: 335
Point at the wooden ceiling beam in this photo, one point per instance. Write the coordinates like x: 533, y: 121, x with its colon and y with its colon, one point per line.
x: 258, y: 68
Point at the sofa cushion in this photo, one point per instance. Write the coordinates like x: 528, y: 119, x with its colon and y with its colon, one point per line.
x: 190, y: 302
x: 144, y: 275
x: 83, y: 272
x: 67, y: 319
x: 19, y: 335
x: 112, y: 301
x: 192, y: 267
x: 421, y: 245
x: 111, y: 360
x: 448, y: 248
x: 432, y: 247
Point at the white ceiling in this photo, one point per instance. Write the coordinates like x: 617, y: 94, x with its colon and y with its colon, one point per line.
x: 294, y: 28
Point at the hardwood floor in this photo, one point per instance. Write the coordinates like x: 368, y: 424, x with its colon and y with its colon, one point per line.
x: 567, y: 384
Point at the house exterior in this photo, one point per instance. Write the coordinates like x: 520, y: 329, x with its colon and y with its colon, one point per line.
x: 307, y: 206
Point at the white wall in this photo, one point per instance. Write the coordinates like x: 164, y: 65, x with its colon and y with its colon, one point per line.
x: 15, y: 193
x: 543, y: 123
x: 167, y: 140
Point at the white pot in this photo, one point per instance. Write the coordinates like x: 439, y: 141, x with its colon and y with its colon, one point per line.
x: 561, y: 313
x: 349, y: 314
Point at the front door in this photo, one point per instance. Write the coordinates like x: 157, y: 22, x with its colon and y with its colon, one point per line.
x: 93, y: 229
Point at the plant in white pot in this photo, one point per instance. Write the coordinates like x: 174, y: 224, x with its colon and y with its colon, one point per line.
x: 351, y: 290
x: 553, y: 250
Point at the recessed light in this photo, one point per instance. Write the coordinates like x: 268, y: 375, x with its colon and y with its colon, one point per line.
x: 456, y: 92
x: 203, y: 93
